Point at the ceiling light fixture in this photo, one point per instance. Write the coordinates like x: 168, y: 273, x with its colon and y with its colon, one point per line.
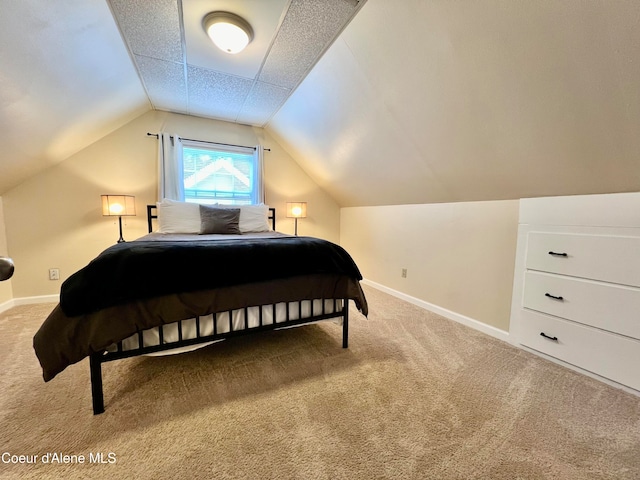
x: 229, y: 32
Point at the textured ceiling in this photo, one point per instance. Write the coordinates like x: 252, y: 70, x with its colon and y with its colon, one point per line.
x: 415, y: 102
x: 182, y: 71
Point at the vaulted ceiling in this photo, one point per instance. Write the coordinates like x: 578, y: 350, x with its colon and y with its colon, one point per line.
x: 73, y: 71
x: 416, y: 101
x: 182, y: 71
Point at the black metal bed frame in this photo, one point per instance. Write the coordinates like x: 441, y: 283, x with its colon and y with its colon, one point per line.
x: 97, y: 359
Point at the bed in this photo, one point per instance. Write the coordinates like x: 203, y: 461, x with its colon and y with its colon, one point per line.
x: 178, y: 289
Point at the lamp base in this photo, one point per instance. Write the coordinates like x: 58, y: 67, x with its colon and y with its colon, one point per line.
x: 120, y: 240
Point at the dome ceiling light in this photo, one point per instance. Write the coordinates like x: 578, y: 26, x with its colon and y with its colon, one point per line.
x: 229, y: 32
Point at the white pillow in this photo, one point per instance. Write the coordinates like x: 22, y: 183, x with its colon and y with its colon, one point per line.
x: 184, y: 217
x: 178, y: 217
x: 253, y: 218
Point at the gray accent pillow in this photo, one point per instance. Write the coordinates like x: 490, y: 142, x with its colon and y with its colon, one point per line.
x: 219, y: 220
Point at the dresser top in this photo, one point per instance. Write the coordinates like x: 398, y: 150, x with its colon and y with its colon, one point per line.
x: 607, y: 210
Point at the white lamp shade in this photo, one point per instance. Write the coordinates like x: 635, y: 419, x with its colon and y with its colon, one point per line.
x: 296, y: 209
x: 118, y: 205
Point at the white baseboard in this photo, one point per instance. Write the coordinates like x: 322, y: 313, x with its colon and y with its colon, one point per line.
x: 6, y: 305
x: 28, y: 301
x: 39, y: 299
x: 469, y: 322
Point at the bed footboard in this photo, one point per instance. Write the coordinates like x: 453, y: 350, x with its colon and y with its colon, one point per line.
x: 97, y: 359
x: 97, y: 396
x: 345, y: 324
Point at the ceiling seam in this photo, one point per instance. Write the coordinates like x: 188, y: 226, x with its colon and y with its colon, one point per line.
x: 336, y: 36
x: 131, y: 55
x: 285, y: 11
x: 183, y: 47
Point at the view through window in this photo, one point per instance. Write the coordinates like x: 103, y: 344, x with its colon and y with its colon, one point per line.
x: 215, y: 175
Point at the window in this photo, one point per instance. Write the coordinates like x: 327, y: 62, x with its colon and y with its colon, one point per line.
x: 227, y: 175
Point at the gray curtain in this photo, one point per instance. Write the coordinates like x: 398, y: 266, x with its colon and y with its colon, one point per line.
x: 170, y: 184
x: 259, y: 159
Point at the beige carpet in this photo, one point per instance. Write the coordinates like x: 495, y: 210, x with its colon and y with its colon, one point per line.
x: 415, y: 396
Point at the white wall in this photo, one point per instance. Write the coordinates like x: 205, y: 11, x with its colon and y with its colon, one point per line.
x: 458, y: 256
x: 55, y: 220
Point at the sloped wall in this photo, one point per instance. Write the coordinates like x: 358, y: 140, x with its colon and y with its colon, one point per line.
x: 421, y: 102
x: 54, y: 219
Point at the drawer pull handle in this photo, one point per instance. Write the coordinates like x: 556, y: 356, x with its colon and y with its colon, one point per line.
x: 555, y: 339
x: 553, y: 296
x: 556, y: 254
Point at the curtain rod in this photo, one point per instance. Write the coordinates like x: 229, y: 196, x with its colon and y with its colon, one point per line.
x: 213, y: 143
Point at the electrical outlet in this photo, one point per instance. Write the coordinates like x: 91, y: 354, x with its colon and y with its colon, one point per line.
x: 54, y: 274
x: 404, y: 273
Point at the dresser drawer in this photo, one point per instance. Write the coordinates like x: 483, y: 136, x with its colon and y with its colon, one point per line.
x: 599, y: 257
x: 603, y: 305
x: 606, y: 354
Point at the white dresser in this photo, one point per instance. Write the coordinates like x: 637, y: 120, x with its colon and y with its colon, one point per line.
x: 576, y: 295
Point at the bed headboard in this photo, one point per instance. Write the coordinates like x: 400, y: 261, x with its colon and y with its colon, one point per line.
x: 152, y: 215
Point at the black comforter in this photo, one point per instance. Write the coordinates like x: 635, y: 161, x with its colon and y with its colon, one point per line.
x: 145, y: 269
